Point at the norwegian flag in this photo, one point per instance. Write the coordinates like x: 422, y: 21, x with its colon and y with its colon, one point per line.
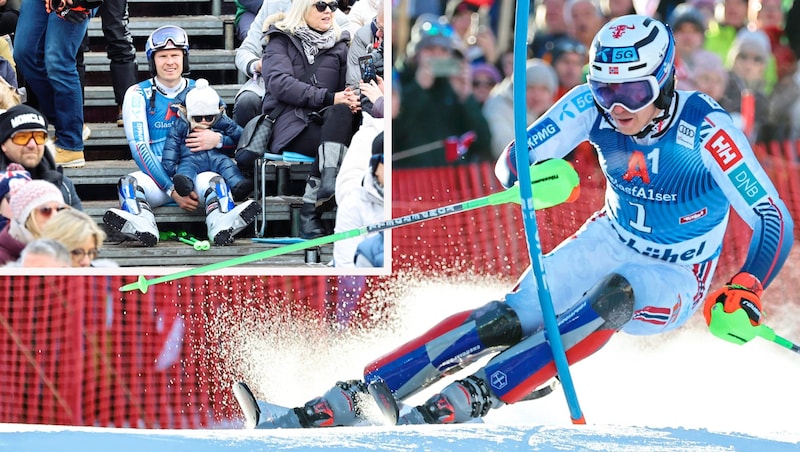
x: 613, y: 70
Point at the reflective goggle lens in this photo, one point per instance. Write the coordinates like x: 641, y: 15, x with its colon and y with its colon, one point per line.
x: 160, y: 37
x: 633, y: 96
x: 22, y: 138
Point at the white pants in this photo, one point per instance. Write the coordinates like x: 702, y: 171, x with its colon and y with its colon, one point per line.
x: 157, y: 197
x: 665, y: 294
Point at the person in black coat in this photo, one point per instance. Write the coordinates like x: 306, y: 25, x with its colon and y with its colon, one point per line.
x: 321, y: 114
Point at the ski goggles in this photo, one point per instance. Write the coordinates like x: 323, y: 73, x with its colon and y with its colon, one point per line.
x: 632, y: 95
x: 22, y: 138
x: 167, y: 33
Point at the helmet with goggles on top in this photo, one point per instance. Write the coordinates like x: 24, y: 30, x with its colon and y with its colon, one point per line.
x: 632, y: 64
x: 167, y: 37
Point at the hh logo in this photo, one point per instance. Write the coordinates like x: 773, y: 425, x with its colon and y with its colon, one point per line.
x: 724, y: 151
x: 618, y: 30
x: 637, y: 166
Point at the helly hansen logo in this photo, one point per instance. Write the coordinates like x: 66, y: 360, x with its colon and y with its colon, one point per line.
x: 724, y: 151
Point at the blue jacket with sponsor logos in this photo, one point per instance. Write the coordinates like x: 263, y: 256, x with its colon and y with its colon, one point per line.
x: 149, y: 115
x: 669, y: 194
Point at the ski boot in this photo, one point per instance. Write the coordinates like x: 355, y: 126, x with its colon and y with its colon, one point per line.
x: 223, y: 218
x: 458, y: 402
x: 134, y: 218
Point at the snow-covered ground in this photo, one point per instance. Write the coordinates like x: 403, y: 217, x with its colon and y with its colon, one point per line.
x: 685, y: 390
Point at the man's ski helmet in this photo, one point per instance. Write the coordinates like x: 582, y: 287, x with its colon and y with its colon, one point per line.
x: 167, y: 37
x: 632, y: 63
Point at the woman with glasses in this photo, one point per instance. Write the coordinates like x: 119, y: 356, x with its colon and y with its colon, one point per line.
x: 320, y: 113
x: 23, y: 140
x: 642, y: 264
x: 149, y: 113
x: 33, y: 204
x: 80, y: 234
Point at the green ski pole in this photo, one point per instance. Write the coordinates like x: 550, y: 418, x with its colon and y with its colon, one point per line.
x: 556, y: 182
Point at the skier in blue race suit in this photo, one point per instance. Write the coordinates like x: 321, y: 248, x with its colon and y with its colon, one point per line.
x: 674, y: 163
x: 149, y: 111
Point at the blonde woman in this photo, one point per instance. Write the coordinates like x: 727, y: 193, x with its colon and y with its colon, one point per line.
x: 32, y: 206
x: 78, y: 233
x: 319, y: 113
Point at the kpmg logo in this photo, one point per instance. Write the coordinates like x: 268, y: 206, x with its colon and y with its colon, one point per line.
x: 542, y: 132
x: 617, y: 55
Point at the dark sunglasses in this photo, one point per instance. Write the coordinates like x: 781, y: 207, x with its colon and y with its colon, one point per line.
x: 206, y: 118
x: 47, y: 211
x: 23, y: 137
x: 322, y: 6
x: 479, y: 83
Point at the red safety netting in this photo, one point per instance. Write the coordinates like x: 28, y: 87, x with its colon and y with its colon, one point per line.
x: 76, y: 351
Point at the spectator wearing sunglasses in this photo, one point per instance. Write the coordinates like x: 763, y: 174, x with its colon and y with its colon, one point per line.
x: 149, y: 112
x: 203, y: 111
x: 485, y: 77
x: 321, y: 114
x: 81, y: 236
x: 247, y: 103
x: 23, y: 137
x: 32, y: 206
x: 46, y: 59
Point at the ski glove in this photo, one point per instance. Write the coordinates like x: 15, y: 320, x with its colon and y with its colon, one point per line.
x: 733, y: 313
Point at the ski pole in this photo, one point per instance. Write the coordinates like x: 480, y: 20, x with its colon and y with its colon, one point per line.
x: 769, y: 334
x: 199, y: 245
x: 557, y: 178
x: 529, y: 216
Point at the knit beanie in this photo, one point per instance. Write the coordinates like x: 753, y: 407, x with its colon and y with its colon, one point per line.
x: 539, y: 73
x: 12, y: 179
x: 31, y: 195
x: 20, y: 117
x: 202, y: 99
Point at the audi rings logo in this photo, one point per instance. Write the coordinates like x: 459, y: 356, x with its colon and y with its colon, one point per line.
x: 498, y: 380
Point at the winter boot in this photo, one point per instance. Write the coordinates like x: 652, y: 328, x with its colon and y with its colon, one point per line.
x: 341, y: 405
x: 310, y: 217
x: 134, y: 218
x: 223, y: 218
x: 331, y: 155
x: 242, y: 190
x: 183, y: 185
x: 458, y: 402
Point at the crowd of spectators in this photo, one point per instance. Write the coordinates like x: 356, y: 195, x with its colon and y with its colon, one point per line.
x: 742, y: 53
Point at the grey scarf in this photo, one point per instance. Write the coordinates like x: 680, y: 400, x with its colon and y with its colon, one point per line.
x: 314, y: 41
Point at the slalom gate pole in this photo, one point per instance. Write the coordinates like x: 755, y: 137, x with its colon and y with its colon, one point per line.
x: 557, y: 178
x: 529, y: 215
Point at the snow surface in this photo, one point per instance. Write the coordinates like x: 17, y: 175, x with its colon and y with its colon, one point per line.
x: 684, y: 390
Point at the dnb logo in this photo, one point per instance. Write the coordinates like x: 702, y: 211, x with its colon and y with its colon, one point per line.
x: 617, y: 55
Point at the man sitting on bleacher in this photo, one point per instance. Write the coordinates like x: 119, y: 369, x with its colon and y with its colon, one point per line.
x: 148, y: 116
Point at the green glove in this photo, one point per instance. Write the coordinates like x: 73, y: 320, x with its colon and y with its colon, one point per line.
x: 735, y: 326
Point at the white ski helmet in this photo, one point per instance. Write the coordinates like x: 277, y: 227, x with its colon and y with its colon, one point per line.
x: 632, y: 63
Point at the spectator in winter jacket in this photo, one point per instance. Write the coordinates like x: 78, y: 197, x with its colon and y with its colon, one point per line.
x: 320, y: 113
x: 360, y: 206
x: 202, y: 111
x: 21, y: 122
